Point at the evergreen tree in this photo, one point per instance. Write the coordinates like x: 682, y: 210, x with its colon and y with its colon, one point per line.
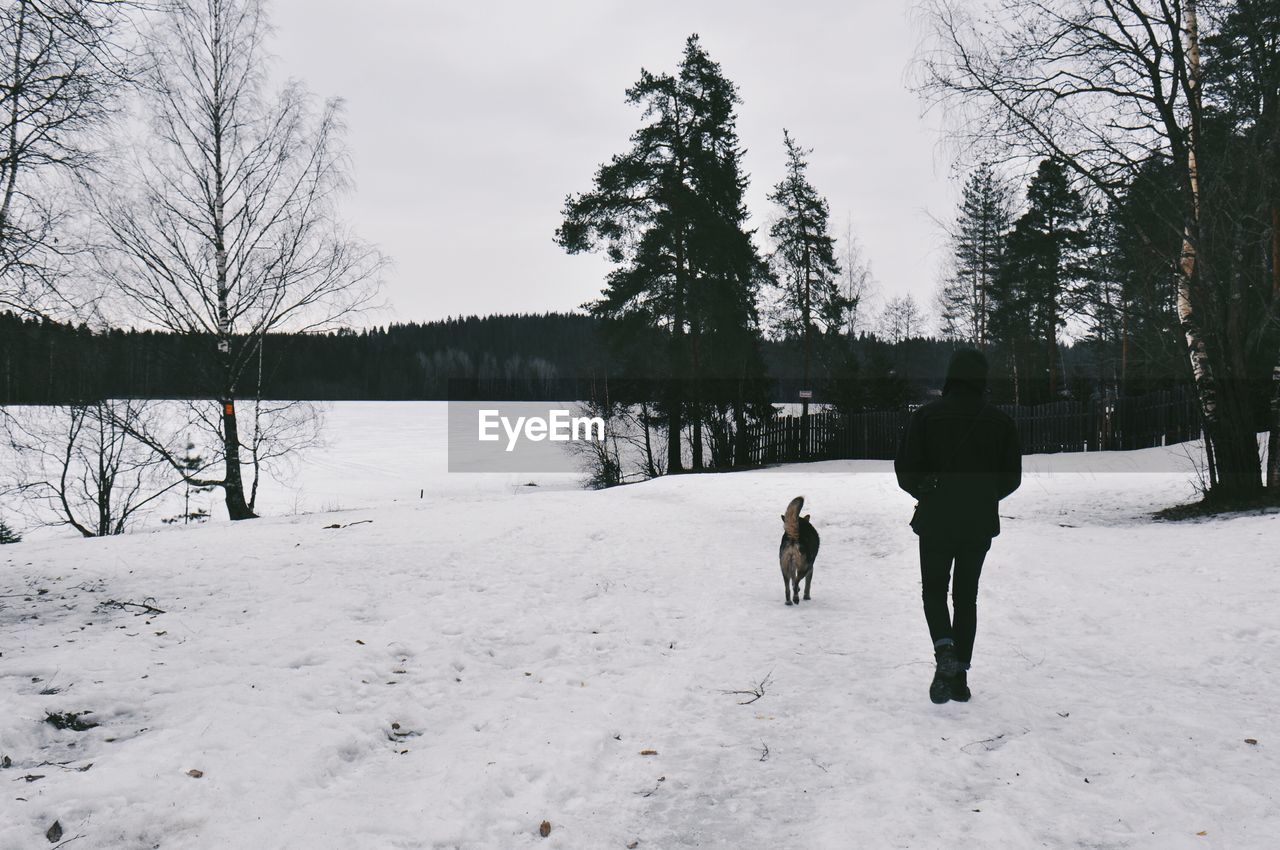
x: 728, y: 270
x: 7, y: 534
x: 977, y: 245
x: 1103, y: 305
x: 804, y: 258
x: 193, y: 465
x: 1043, y: 274
x: 1128, y: 303
x: 670, y: 215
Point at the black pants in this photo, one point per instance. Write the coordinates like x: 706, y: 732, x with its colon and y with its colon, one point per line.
x: 937, y: 555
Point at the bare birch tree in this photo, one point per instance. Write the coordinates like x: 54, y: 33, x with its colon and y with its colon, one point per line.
x: 80, y: 466
x: 227, y: 227
x: 62, y: 65
x: 857, y: 283
x: 902, y: 319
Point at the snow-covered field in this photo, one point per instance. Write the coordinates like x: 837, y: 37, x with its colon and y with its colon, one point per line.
x: 452, y: 671
x: 371, y: 453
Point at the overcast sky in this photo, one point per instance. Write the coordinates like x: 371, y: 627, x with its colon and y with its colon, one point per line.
x: 470, y: 122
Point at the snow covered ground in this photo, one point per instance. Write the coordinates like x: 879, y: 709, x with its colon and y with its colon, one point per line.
x: 452, y: 671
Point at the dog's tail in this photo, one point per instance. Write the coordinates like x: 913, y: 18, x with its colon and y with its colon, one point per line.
x: 791, y: 519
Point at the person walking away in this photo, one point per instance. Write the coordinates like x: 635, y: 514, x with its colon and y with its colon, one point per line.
x: 959, y: 457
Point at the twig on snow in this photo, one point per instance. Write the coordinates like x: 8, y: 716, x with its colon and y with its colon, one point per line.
x: 994, y: 743
x: 145, y: 605
x: 65, y: 765
x: 755, y: 693
x: 1027, y: 658
x: 654, y: 789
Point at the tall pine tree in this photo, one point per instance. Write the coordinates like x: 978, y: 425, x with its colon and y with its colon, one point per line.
x: 804, y: 258
x: 1044, y: 271
x: 977, y: 246
x: 1130, y: 309
x: 670, y: 214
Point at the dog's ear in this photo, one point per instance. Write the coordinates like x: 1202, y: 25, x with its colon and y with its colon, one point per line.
x: 806, y: 517
x: 782, y: 517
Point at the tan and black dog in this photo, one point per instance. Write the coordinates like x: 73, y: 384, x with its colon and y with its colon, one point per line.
x: 798, y: 551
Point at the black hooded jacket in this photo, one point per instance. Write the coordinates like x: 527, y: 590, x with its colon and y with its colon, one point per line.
x: 959, y: 457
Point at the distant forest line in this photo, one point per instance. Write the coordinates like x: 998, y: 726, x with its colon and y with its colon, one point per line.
x: 544, y: 356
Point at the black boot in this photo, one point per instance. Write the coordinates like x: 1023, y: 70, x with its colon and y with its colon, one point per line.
x: 940, y: 689
x: 960, y: 687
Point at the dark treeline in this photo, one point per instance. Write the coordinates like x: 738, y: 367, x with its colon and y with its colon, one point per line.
x: 46, y: 362
x: 551, y: 356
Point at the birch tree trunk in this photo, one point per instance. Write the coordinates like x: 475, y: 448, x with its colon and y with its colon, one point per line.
x: 233, y: 488
x: 1234, y: 465
x: 1201, y: 370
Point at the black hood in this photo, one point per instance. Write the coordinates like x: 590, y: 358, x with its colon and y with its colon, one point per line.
x: 967, y: 372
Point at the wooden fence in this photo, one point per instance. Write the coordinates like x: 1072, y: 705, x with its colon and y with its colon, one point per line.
x: 1139, y: 422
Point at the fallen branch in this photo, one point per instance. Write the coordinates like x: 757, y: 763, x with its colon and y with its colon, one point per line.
x: 987, y: 743
x: 65, y: 765
x: 145, y: 605
x: 995, y: 742
x: 755, y: 693
x: 654, y: 789
x: 1027, y: 658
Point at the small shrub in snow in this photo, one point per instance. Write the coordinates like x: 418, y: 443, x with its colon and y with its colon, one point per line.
x: 7, y: 534
x: 73, y: 720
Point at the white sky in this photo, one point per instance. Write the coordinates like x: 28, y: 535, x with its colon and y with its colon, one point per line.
x: 470, y: 122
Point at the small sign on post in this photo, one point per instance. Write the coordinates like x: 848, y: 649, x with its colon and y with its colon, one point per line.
x: 806, y: 394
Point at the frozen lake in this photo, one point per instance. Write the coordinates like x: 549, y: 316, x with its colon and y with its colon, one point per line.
x: 381, y: 452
